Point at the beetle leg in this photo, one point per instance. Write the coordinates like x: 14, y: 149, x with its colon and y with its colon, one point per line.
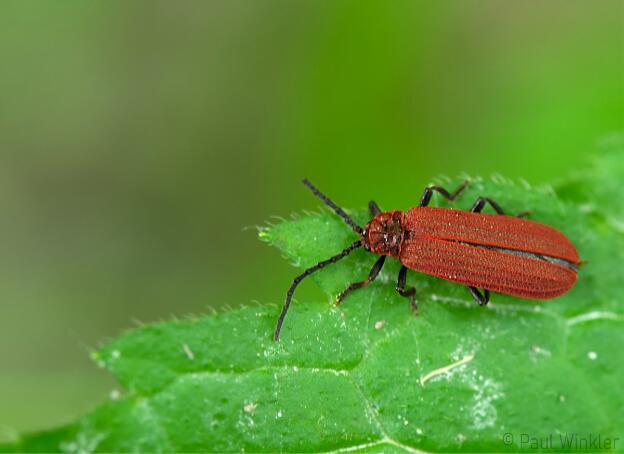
x: 407, y: 293
x: 479, y: 204
x: 356, y: 285
x: 428, y: 192
x: 481, y: 298
x: 373, y: 208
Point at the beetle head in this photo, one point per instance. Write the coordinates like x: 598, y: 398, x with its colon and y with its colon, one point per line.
x: 384, y: 233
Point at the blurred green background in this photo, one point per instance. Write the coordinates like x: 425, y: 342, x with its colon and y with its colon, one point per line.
x: 139, y: 139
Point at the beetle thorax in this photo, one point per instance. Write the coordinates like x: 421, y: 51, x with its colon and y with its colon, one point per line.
x: 384, y: 233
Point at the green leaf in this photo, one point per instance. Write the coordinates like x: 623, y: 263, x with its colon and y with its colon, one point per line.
x: 370, y: 376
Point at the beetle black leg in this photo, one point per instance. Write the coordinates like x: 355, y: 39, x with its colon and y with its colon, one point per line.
x: 356, y: 285
x: 373, y: 208
x: 428, y: 192
x: 479, y: 204
x: 407, y: 293
x: 481, y: 298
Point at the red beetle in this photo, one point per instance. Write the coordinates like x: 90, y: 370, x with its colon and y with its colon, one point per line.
x: 494, y: 252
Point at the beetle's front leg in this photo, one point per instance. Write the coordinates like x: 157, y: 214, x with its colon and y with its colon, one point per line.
x: 407, y: 293
x: 428, y: 192
x: 356, y: 285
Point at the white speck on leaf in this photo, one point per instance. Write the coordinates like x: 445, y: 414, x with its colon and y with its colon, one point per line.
x: 537, y: 350
x: 279, y: 413
x: 379, y: 324
x: 114, y: 394
x: 250, y: 407
x: 271, y: 350
x: 189, y: 353
x: 115, y: 354
x: 592, y: 355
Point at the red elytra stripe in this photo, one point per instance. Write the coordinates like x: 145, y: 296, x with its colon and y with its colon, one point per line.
x: 492, y: 230
x: 486, y: 268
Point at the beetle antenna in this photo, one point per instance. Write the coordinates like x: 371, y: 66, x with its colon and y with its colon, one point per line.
x: 339, y: 211
x: 305, y: 274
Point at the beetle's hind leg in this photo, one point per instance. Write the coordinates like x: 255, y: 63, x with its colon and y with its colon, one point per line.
x: 409, y: 292
x: 481, y: 298
x: 373, y: 208
x: 480, y: 203
x: 428, y: 192
x: 372, y: 275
